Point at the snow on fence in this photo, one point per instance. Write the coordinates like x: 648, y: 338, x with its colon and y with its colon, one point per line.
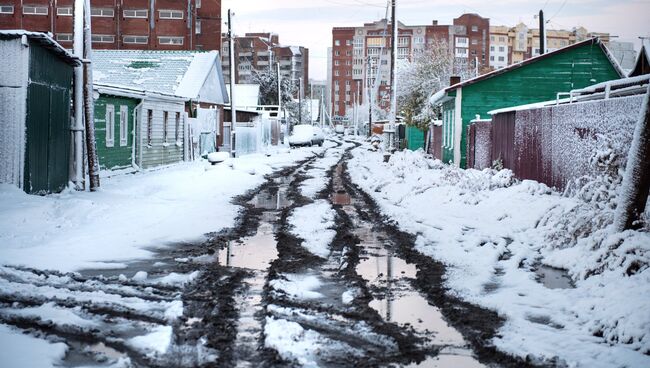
x: 479, y: 144
x: 555, y: 144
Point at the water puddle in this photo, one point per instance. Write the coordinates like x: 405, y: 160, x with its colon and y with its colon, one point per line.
x: 274, y: 198
x: 253, y: 253
x: 554, y: 278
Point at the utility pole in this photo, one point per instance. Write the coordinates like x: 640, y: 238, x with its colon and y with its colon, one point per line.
x: 279, y: 78
x: 393, y: 79
x: 78, y: 174
x: 370, y: 101
x: 89, y: 115
x: 300, y: 100
x: 233, y: 109
x: 542, y: 33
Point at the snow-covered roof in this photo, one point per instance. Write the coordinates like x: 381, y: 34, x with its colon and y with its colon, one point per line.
x: 133, y: 92
x: 494, y: 73
x: 44, y: 40
x: 185, y: 74
x: 642, y: 62
x: 246, y: 95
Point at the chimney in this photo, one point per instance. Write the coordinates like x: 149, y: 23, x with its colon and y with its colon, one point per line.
x: 455, y: 79
x: 434, y: 23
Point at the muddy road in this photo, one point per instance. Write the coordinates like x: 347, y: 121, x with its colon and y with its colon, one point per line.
x: 256, y: 295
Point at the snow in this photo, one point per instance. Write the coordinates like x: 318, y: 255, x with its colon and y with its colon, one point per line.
x: 155, y: 342
x: 492, y: 232
x: 313, y: 223
x: 50, y: 312
x: 298, y: 286
x: 291, y: 341
x: 130, y: 215
x: 20, y: 350
x: 178, y: 279
x: 318, y: 172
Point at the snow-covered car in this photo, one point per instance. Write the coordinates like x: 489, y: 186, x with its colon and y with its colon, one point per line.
x: 305, y: 135
x: 318, y: 137
x: 339, y: 129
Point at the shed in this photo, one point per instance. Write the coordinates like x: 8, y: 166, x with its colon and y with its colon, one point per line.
x: 35, y: 90
x: 533, y: 80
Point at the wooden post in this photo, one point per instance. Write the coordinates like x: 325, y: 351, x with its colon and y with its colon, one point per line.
x: 636, y: 182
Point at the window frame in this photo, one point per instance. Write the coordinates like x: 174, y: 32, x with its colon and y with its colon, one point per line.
x: 35, y: 7
x: 135, y: 13
x: 68, y: 9
x: 171, y: 14
x: 134, y: 39
x: 109, y: 116
x: 124, y: 125
x: 171, y: 40
x: 101, y: 38
x: 149, y: 127
x: 99, y: 12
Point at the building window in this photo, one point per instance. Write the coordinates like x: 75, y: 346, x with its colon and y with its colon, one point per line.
x: 34, y: 10
x: 149, y: 127
x: 102, y: 12
x: 492, y: 48
x: 171, y: 40
x: 170, y: 14
x: 336, y: 73
x: 65, y: 11
x: 337, y: 43
x: 198, y: 4
x: 64, y: 37
x: 6, y: 9
x: 177, y: 136
x: 348, y: 42
x: 135, y: 39
x: 136, y: 13
x: 337, y: 53
x: 124, y: 125
x: 491, y: 58
x: 474, y: 42
x: 502, y: 39
x: 474, y: 28
x: 492, y: 38
x: 110, y: 125
x: 502, y: 48
x: 103, y: 38
x: 197, y: 26
x: 165, y: 126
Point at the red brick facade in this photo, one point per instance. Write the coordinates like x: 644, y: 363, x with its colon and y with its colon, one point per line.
x: 120, y: 24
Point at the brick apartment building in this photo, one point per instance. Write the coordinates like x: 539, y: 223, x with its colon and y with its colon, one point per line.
x: 260, y: 52
x: 353, y: 48
x: 124, y: 24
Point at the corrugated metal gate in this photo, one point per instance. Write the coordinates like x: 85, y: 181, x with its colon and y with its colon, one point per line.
x: 503, y: 138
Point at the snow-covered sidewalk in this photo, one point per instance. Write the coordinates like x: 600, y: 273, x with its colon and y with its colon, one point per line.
x: 494, y: 233
x: 131, y: 214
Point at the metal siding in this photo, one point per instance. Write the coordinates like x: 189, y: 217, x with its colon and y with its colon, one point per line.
x: 414, y: 138
x: 503, y: 139
x: 158, y: 154
x: 47, y: 122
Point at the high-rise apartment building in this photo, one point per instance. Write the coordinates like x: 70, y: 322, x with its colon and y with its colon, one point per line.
x: 360, y: 56
x: 260, y: 52
x: 123, y: 24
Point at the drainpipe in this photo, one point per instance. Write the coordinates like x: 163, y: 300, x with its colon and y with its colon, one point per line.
x: 78, y: 176
x: 136, y: 136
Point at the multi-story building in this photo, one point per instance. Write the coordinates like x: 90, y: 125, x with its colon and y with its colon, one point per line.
x: 259, y: 52
x: 509, y: 45
x: 360, y: 56
x: 118, y: 24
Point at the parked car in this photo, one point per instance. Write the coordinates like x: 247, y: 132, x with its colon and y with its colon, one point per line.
x: 339, y: 129
x: 318, y: 137
x: 306, y: 135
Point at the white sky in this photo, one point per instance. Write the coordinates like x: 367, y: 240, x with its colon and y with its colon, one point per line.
x: 309, y: 22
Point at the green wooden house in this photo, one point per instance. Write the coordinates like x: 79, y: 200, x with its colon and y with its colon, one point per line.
x: 534, y: 80
x: 35, y: 118
x: 145, y: 101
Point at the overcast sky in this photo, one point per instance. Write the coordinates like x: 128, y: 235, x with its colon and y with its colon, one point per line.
x: 309, y: 22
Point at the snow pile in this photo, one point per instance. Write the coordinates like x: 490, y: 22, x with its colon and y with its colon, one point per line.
x: 298, y: 286
x: 156, y: 342
x: 313, y: 223
x: 317, y: 172
x: 292, y: 342
x: 493, y: 233
x: 20, y: 350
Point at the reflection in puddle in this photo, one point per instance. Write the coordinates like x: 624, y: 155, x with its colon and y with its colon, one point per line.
x: 255, y: 253
x: 272, y: 199
x: 554, y: 278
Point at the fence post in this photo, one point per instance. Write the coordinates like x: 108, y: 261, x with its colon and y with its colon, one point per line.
x: 636, y: 181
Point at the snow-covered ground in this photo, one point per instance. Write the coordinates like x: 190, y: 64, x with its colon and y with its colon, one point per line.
x: 494, y: 232
x: 129, y: 217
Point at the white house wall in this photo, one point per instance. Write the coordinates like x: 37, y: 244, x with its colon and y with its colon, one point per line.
x: 158, y: 152
x: 211, y: 91
x: 13, y: 94
x: 458, y: 129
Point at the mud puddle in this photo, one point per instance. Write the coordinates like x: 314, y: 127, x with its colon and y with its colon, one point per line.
x: 390, y: 281
x: 554, y: 278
